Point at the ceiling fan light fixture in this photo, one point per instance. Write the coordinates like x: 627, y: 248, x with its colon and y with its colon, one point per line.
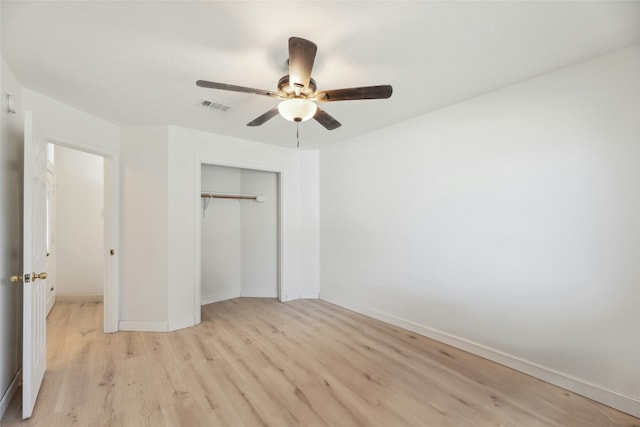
x: 297, y: 110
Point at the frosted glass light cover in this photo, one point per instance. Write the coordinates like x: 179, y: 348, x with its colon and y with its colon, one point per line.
x: 293, y: 109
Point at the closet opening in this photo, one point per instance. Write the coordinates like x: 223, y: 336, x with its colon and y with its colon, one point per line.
x: 239, y: 220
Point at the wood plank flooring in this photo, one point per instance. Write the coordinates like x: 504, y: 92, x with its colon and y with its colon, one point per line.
x: 258, y: 362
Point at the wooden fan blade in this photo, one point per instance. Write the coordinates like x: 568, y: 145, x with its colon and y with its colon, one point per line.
x: 355, y: 93
x: 264, y: 118
x: 302, y: 53
x: 326, y: 120
x: 234, y: 88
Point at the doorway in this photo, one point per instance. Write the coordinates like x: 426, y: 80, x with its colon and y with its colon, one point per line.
x: 239, y: 233
x: 82, y: 236
x: 76, y: 235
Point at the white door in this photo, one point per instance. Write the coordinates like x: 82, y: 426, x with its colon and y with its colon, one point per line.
x: 34, y: 331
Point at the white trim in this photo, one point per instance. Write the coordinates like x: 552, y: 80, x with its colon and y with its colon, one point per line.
x: 280, y: 195
x: 257, y: 293
x: 111, y: 290
x: 598, y: 393
x: 199, y: 162
x: 135, y: 326
x: 11, y: 391
x: 174, y: 325
x: 309, y: 294
x: 79, y: 298
x: 218, y: 296
x: 197, y: 286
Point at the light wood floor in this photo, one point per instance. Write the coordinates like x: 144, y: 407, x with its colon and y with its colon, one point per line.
x: 258, y: 362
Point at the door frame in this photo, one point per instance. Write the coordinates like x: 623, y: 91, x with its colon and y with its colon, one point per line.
x: 199, y: 162
x: 111, y: 231
x: 51, y: 240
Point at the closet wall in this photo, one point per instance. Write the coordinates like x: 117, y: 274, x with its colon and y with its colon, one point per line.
x: 239, y: 237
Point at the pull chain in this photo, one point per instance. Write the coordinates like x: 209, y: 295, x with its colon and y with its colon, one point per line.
x: 298, y: 133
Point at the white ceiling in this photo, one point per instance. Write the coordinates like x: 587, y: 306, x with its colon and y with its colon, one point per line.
x: 136, y: 63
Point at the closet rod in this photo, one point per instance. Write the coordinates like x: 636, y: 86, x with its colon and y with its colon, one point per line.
x: 228, y: 196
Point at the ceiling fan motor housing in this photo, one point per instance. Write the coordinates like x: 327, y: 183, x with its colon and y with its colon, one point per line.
x: 305, y: 92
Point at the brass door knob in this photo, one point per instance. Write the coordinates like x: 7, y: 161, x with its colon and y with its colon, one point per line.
x: 40, y: 276
x: 15, y: 278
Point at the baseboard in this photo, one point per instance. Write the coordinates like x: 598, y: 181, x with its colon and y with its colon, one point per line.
x: 79, y: 297
x: 11, y: 391
x: 175, y: 325
x: 600, y: 394
x: 136, y: 326
x: 252, y: 293
x: 258, y: 293
x: 218, y: 296
x: 314, y: 294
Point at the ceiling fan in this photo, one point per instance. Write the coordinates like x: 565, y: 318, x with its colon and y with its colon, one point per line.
x: 298, y: 90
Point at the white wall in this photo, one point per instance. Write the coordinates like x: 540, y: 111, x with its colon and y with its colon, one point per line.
x: 11, y: 171
x: 260, y: 235
x: 79, y: 226
x: 508, y: 224
x: 239, y: 237
x: 309, y: 221
x: 144, y: 242
x: 68, y: 126
x: 186, y: 148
